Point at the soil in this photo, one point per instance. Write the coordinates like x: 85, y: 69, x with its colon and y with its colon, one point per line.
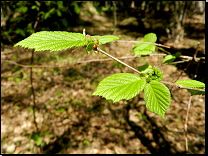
x: 78, y: 122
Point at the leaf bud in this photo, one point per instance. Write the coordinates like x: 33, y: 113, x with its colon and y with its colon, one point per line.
x: 89, y: 38
x: 96, y: 40
x: 95, y: 47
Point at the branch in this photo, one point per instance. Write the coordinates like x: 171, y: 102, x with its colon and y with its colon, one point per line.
x: 157, y: 44
x: 169, y: 83
x: 185, y: 125
x: 94, y: 60
x: 103, y: 52
x: 181, y: 87
x: 197, y: 48
x: 100, y: 60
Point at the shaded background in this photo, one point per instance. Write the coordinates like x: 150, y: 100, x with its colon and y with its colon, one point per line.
x: 70, y: 120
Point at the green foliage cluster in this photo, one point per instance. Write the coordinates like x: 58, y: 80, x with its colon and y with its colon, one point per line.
x: 118, y: 86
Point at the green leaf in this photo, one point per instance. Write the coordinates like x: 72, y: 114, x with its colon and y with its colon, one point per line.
x: 195, y: 92
x: 38, y: 141
x: 60, y: 4
x: 89, y: 47
x: 16, y: 79
x: 53, y: 41
x: 20, y: 31
x: 59, y: 94
x: 120, y: 86
x: 98, y: 9
x: 105, y: 39
x: 46, y: 15
x: 145, y: 49
x: 31, y: 110
x: 59, y: 13
x: 76, y: 7
x: 35, y: 136
x: 155, y: 74
x: 193, y: 84
x: 27, y: 134
x: 16, y: 68
x: 52, y: 10
x: 48, y: 3
x: 24, y: 9
x: 157, y: 97
x: 177, y: 54
x: 169, y: 59
x: 65, y: 22
x: 21, y: 75
x: 145, y: 68
x: 46, y: 133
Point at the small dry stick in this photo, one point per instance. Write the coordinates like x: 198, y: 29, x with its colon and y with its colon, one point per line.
x: 143, y: 42
x: 99, y: 50
x: 185, y: 125
x: 88, y: 61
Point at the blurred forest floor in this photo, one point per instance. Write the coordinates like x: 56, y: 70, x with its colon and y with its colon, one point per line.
x: 80, y: 123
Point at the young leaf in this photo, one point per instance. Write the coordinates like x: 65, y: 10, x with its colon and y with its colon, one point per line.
x: 177, y: 54
x: 145, y: 49
x: 16, y: 68
x: 169, y: 59
x: 120, y: 86
x: 76, y: 7
x: 105, y: 39
x: 145, y: 68
x: 89, y: 47
x: 195, y: 92
x: 157, y: 97
x: 190, y: 83
x: 193, y: 84
x: 155, y: 74
x: 53, y: 41
x: 38, y: 141
x: 21, y: 75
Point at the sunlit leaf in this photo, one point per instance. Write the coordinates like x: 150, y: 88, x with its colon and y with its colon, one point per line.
x: 143, y: 48
x: 38, y: 141
x: 89, y: 47
x: 53, y: 41
x: 193, y: 84
x: 169, y: 58
x: 120, y: 86
x: 145, y: 68
x: 105, y: 39
x: 157, y: 97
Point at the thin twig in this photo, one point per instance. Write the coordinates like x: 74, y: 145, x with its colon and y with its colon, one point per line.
x: 31, y: 72
x: 164, y: 50
x: 182, y: 87
x: 185, y: 125
x: 157, y: 44
x: 192, y: 60
x: 103, y: 52
x: 33, y: 92
x: 197, y: 49
x: 4, y: 53
x: 169, y: 83
x: 196, y: 71
x: 179, y: 62
x: 88, y: 61
x: 100, y: 60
